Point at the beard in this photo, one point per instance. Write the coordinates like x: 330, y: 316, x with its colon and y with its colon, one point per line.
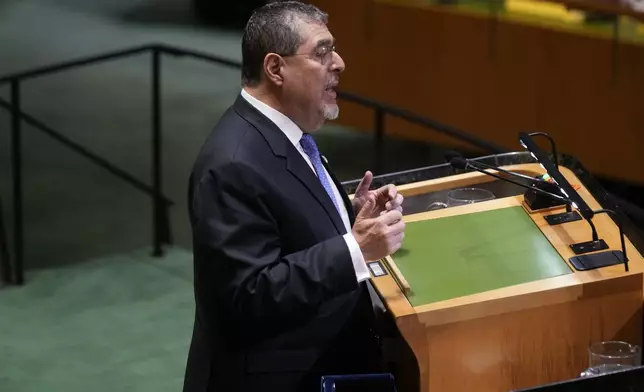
x: 331, y: 112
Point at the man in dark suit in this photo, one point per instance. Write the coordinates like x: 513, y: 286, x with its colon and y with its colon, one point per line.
x: 280, y: 252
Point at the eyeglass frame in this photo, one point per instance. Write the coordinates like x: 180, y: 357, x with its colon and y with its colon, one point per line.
x: 329, y: 50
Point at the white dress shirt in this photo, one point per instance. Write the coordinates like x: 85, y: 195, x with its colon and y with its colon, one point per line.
x: 294, y: 134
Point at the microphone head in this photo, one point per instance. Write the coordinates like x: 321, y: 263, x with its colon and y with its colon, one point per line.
x: 459, y: 163
x: 451, y: 154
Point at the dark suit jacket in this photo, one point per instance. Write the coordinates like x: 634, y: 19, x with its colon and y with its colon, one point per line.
x: 277, y: 300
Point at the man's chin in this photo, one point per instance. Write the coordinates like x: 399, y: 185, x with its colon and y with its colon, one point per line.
x: 331, y: 112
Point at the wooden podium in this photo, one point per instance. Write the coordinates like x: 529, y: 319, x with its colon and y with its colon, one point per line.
x: 487, y: 300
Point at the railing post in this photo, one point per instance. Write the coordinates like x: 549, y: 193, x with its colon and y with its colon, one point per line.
x: 157, y: 209
x: 16, y: 166
x: 379, y: 125
x: 6, y: 273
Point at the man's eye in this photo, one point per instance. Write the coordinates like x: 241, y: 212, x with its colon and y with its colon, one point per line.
x: 321, y: 52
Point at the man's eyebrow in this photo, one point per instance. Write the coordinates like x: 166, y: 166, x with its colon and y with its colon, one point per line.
x: 325, y: 42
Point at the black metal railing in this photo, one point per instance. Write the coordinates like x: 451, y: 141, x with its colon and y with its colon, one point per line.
x: 380, y: 110
x: 161, y: 226
x: 160, y: 204
x: 6, y: 273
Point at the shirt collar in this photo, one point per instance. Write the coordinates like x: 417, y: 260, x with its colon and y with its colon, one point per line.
x: 285, y: 124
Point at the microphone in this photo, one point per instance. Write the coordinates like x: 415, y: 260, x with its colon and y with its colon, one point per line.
x: 582, y: 261
x: 519, y: 175
x: 462, y: 164
x: 459, y: 163
x: 450, y: 155
x: 533, y: 197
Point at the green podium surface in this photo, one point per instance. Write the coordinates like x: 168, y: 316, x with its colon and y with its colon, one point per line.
x: 454, y: 256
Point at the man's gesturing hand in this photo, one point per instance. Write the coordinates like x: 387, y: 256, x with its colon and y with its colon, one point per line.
x: 378, y: 233
x: 387, y: 197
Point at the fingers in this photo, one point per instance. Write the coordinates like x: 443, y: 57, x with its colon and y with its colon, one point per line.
x: 387, y: 192
x: 397, y: 228
x: 390, y: 217
x: 396, y: 237
x: 365, y: 183
x: 399, y: 209
x: 369, y: 208
x: 395, y: 203
x: 396, y: 241
x: 378, y: 234
x: 392, y: 192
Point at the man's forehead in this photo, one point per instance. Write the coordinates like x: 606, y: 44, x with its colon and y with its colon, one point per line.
x: 314, y: 33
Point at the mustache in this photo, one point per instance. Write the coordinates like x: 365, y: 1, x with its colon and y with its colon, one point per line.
x: 333, y: 83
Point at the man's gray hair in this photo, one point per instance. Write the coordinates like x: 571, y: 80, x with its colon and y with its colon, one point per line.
x: 273, y: 28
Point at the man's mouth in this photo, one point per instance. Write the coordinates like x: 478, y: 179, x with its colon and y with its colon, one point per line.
x: 330, y: 89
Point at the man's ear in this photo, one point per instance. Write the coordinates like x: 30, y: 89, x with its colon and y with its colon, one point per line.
x: 273, y: 64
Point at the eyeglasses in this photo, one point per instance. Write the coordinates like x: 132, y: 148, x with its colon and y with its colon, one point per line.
x: 323, y: 54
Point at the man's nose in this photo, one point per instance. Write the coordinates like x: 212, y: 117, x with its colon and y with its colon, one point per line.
x: 337, y: 65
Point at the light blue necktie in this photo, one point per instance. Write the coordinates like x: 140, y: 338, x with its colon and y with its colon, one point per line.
x: 311, y: 149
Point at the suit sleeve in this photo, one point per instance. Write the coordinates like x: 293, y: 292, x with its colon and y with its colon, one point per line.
x: 240, y: 237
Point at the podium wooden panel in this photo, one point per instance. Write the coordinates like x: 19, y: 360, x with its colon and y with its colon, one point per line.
x: 525, y: 334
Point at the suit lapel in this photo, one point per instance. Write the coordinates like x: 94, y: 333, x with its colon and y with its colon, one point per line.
x: 345, y: 197
x: 295, y: 164
x: 300, y: 169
